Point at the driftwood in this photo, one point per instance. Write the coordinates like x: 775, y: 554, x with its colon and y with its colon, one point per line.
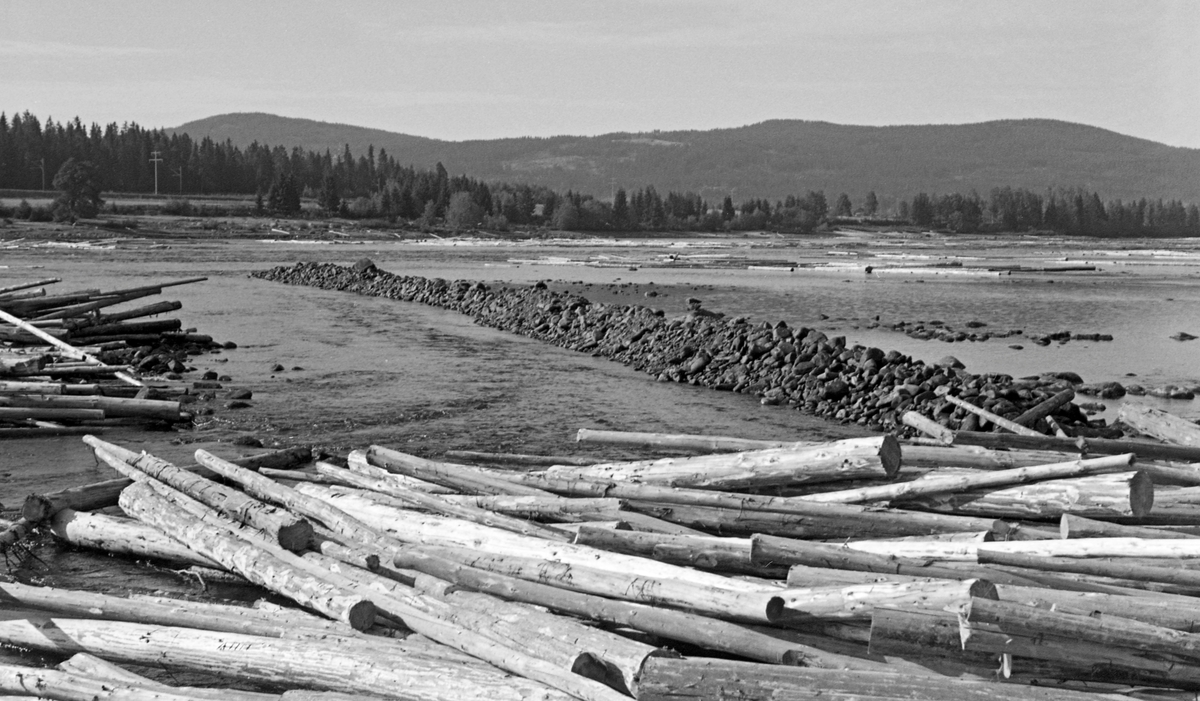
x: 521, y: 459
x: 840, y: 460
x: 123, y: 536
x: 73, y: 352
x: 1081, y: 547
x: 927, y: 426
x: 710, y: 444
x: 1045, y: 408
x: 1144, y: 450
x: 858, y: 602
x: 87, y: 665
x: 467, y: 479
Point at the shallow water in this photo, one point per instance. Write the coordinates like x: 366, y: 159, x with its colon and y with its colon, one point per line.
x: 362, y: 370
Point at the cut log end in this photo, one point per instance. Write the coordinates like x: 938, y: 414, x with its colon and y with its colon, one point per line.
x: 36, y: 508
x: 296, y: 536
x: 360, y: 616
x: 889, y: 455
x: 1141, y: 494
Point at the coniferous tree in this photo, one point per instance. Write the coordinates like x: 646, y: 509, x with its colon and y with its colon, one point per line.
x: 843, y: 208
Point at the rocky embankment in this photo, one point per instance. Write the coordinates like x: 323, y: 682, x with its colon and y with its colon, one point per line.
x: 798, y: 367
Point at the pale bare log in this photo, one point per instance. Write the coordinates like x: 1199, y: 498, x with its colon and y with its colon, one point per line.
x: 1072, y: 526
x: 927, y: 426
x: 984, y: 480
x: 123, y: 536
x: 852, y: 458
x: 1120, y: 494
x: 464, y: 478
x: 1159, y: 424
x: 995, y: 419
x: 711, y: 444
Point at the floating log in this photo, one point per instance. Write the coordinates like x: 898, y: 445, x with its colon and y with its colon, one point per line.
x: 840, y: 460
x: 49, y: 414
x: 265, y: 569
x: 705, y: 632
x: 1072, y: 526
x: 1144, y: 450
x: 1159, y: 424
x: 821, y: 520
x: 281, y: 527
x: 1128, y: 494
x: 411, y: 498
x: 98, y: 495
x: 986, y: 480
x: 1042, y: 409
x: 995, y: 419
x: 704, y: 678
x: 123, y: 536
x: 382, y: 667
x: 414, y: 528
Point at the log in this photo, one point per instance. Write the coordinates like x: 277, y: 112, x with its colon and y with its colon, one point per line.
x: 927, y: 632
x: 1175, y: 612
x: 1128, y: 494
x: 1144, y: 450
x: 1043, y: 409
x: 929, y: 427
x: 147, y: 310
x: 521, y: 459
x: 98, y: 495
x: 1114, y: 569
x: 382, y: 667
x: 87, y: 665
x: 1072, y: 526
x: 410, y: 498
x: 357, y: 461
x: 1081, y: 547
x: 840, y: 460
x: 833, y: 520
x: 113, y: 407
x: 156, y: 326
x: 41, y: 431
x: 1178, y: 506
x: 717, y: 602
x: 49, y: 414
x: 995, y: 419
x: 31, y: 365
x: 13, y: 533
x: 61, y: 345
x: 554, y: 508
x: 702, y: 678
x: 146, y: 504
x: 1159, y: 424
x: 160, y: 611
x: 419, y: 529
x: 123, y: 536
x: 986, y: 480
x: 281, y: 527
x: 564, y: 642
x: 26, y: 285
x: 710, y: 444
x: 705, y: 632
x: 64, y: 686
x: 858, y: 602
x: 461, y: 477
x: 765, y: 549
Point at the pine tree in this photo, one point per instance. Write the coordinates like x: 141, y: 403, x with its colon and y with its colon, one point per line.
x: 843, y: 208
x: 871, y: 204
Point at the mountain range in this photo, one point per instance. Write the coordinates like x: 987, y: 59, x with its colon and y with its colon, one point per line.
x: 773, y: 159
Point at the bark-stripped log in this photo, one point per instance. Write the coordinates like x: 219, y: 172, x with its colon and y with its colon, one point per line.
x: 857, y: 602
x: 1072, y: 526
x: 463, y: 478
x: 1144, y: 450
x: 382, y: 667
x: 852, y: 458
x: 143, y: 502
x: 978, y: 481
x: 87, y: 665
x: 1120, y: 494
x: 1159, y: 424
x: 123, y: 536
x: 1081, y: 547
x: 994, y: 418
x: 277, y: 525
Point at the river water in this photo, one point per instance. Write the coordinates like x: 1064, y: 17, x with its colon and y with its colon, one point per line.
x: 363, y: 370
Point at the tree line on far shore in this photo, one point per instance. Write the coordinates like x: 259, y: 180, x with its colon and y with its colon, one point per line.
x: 376, y: 186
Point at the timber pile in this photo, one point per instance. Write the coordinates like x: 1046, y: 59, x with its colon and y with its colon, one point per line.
x: 797, y: 367
x: 862, y: 568
x: 71, y: 359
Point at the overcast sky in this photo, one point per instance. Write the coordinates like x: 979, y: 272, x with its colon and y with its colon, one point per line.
x: 475, y: 69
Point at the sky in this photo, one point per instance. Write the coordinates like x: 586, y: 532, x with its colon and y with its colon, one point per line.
x: 479, y: 69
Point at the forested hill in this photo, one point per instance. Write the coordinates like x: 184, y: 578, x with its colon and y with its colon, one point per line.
x: 775, y: 158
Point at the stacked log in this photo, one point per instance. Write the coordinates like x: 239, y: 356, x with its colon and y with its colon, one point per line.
x: 869, y: 579
x: 71, y: 359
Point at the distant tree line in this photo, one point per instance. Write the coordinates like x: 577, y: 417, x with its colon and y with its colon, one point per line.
x: 375, y: 185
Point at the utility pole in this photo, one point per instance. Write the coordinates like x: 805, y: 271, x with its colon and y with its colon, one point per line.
x: 42, y: 165
x: 155, y: 159
x: 179, y: 172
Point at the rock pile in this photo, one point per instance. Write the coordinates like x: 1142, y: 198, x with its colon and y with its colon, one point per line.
x: 800, y: 367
